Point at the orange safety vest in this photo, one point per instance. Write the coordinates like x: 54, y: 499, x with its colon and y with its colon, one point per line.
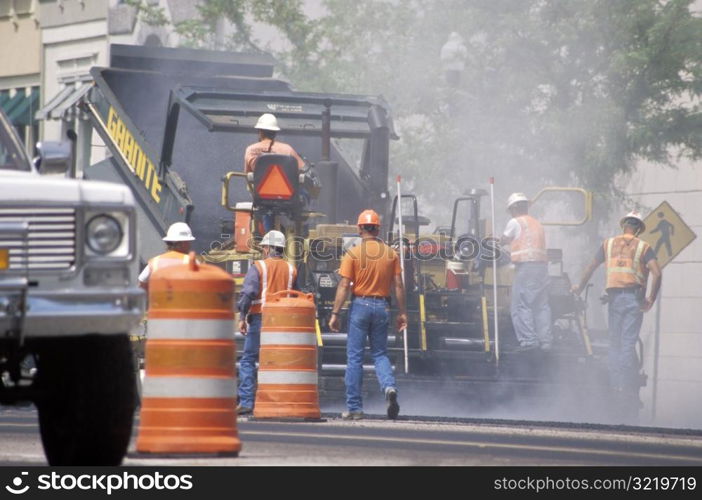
x: 530, y: 246
x: 623, y: 255
x: 168, y: 259
x: 275, y: 275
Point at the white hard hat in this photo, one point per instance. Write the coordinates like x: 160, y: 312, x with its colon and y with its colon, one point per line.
x: 179, y: 231
x: 267, y: 121
x: 273, y: 239
x: 516, y: 198
x: 634, y: 214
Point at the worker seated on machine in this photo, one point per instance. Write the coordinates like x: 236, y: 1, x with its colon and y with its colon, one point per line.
x: 282, y: 181
x: 268, y: 128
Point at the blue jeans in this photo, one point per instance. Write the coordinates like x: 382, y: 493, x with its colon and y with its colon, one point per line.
x: 625, y: 318
x: 247, y: 363
x: 367, y: 318
x: 531, y: 312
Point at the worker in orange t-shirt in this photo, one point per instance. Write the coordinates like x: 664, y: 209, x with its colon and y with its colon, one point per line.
x: 373, y: 268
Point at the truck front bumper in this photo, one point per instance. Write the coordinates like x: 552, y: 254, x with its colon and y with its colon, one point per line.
x: 61, y: 313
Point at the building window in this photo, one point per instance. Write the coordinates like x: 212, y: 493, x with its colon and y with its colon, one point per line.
x: 16, y: 7
x: 24, y: 7
x: 77, y: 68
x: 5, y: 8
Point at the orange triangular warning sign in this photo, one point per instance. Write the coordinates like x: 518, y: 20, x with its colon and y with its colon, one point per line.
x: 275, y: 185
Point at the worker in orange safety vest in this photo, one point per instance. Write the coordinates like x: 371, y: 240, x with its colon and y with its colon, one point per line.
x: 530, y: 309
x: 178, y: 241
x: 269, y: 275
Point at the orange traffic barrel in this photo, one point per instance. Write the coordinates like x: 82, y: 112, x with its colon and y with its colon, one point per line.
x: 189, y: 391
x: 287, y: 364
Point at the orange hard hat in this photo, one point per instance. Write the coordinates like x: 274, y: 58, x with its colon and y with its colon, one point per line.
x: 369, y: 218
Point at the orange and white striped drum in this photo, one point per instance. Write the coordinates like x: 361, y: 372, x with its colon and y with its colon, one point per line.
x: 189, y: 394
x: 287, y: 365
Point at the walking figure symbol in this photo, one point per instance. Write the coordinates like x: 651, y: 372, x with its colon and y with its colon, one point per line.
x: 667, y: 230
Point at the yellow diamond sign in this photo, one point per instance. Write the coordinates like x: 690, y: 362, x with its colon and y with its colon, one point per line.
x: 667, y: 233
x: 4, y: 258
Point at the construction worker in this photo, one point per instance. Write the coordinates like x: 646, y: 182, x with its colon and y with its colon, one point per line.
x: 270, y: 275
x: 530, y: 310
x: 267, y: 126
x: 628, y: 261
x: 178, y: 241
x: 370, y: 269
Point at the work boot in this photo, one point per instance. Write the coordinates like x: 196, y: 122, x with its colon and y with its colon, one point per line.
x: 393, y: 405
x: 243, y: 410
x: 352, y: 415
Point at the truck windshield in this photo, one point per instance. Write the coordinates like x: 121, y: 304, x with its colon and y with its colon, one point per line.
x: 12, y: 156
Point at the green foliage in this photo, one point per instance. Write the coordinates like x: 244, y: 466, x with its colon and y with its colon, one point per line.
x: 152, y: 15
x: 284, y: 15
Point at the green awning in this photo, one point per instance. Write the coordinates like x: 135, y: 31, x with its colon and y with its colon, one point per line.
x: 4, y: 97
x: 23, y: 112
x: 14, y: 101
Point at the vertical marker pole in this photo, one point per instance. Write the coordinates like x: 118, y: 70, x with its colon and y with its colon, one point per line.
x: 494, y: 274
x: 402, y: 266
x: 656, y: 356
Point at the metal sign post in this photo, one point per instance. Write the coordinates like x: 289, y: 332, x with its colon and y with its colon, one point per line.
x: 656, y: 350
x: 402, y: 265
x: 494, y: 274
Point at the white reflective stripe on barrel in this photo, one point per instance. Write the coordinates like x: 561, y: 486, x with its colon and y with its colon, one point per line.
x: 287, y: 377
x: 288, y: 338
x: 196, y: 329
x: 291, y: 275
x: 188, y: 387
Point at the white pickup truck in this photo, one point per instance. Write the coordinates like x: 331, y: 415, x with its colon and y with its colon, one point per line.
x: 68, y: 300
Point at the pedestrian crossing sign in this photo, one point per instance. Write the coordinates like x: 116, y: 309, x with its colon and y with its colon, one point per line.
x: 667, y: 233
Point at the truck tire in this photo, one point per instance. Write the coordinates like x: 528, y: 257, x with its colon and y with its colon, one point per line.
x: 86, y: 399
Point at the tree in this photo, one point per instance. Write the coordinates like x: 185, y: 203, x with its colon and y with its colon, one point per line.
x: 560, y: 92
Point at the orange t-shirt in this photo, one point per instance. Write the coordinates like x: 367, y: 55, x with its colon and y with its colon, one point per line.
x: 371, y: 266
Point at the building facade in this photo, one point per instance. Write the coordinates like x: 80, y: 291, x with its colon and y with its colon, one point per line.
x: 20, y: 71
x: 60, y: 41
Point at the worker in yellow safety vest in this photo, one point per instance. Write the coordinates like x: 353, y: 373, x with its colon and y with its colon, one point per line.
x: 178, y: 241
x: 628, y: 260
x: 270, y: 275
x: 530, y: 309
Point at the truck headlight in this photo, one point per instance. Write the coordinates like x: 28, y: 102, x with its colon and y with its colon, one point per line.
x: 103, y: 234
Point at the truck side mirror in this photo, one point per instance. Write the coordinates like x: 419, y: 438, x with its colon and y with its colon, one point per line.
x: 54, y: 157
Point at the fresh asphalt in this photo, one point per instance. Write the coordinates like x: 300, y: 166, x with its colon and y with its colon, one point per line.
x: 409, y: 441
